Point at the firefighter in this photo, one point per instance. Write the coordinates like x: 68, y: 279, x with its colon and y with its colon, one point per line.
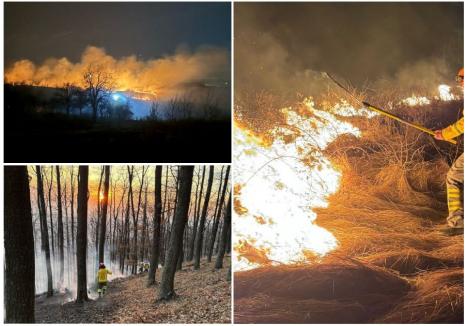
x: 102, y: 279
x: 455, y: 175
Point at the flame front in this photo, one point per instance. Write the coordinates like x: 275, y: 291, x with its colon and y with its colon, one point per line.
x: 445, y: 94
x: 278, y: 185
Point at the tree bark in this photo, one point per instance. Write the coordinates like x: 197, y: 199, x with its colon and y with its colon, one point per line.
x: 72, y: 209
x: 216, y: 221
x: 19, y: 247
x: 196, y: 217
x: 105, y: 201
x: 49, y: 199
x: 224, y: 235
x: 82, y: 234
x: 156, y: 226
x: 44, y: 231
x: 60, y: 225
x: 201, y: 228
x: 98, y: 218
x: 166, y: 291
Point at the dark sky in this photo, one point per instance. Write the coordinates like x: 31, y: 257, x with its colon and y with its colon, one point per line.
x: 37, y: 31
x: 357, y: 41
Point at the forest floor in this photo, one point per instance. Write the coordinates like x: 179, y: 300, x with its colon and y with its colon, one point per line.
x: 203, y: 296
x: 392, y: 265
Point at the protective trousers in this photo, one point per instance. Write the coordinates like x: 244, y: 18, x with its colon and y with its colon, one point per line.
x: 455, y: 193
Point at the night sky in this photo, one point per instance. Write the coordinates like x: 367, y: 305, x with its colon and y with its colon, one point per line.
x: 357, y: 41
x: 37, y: 31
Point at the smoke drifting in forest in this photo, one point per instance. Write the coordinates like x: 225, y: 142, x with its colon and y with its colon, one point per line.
x: 128, y: 216
x: 162, y: 77
x: 282, y: 47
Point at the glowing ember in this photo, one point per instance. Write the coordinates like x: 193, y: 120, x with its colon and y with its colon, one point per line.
x: 445, y: 94
x: 416, y: 101
x: 277, y: 187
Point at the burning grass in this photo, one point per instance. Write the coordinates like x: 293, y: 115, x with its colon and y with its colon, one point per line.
x: 392, y: 264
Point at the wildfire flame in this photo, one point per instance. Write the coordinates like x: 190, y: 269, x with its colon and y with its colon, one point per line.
x: 445, y: 94
x: 164, y: 77
x: 278, y: 185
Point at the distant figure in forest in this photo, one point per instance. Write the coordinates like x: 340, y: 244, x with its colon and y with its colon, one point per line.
x: 102, y: 279
x: 455, y: 179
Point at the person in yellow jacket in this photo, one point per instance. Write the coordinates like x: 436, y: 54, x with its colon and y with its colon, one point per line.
x: 455, y: 178
x: 102, y: 279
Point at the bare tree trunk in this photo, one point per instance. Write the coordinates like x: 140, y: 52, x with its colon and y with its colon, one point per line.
x: 72, y: 209
x: 136, y: 217
x: 196, y: 217
x: 67, y: 228
x: 19, y: 247
x: 60, y: 225
x: 156, y: 226
x: 166, y: 290
x: 44, y: 231
x: 224, y: 235
x: 145, y: 225
x: 98, y: 219
x: 82, y: 234
x: 103, y: 219
x: 49, y: 199
x: 201, y: 228
x: 216, y: 221
x: 164, y: 215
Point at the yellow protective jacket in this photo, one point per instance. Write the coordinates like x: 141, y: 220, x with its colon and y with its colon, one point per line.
x: 102, y: 275
x: 454, y: 130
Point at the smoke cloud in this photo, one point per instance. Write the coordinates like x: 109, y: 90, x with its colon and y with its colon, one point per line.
x: 282, y: 47
x: 162, y: 77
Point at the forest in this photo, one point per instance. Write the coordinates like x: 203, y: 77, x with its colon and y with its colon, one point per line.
x: 164, y: 232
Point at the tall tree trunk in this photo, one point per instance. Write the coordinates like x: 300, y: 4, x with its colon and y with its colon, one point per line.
x: 19, y: 247
x: 82, y: 234
x: 72, y: 209
x: 49, y: 199
x: 105, y: 200
x: 98, y: 218
x: 224, y: 235
x: 44, y: 231
x: 67, y: 228
x: 156, y: 226
x: 60, y: 225
x: 214, y: 231
x: 201, y: 228
x: 145, y: 225
x: 196, y: 217
x: 166, y: 290
x: 164, y: 215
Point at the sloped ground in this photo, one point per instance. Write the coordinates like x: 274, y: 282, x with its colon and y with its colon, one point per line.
x: 203, y: 296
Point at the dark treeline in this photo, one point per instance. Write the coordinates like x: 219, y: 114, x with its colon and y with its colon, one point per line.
x: 123, y: 216
x: 185, y: 128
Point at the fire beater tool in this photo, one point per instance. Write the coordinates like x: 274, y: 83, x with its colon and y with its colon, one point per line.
x: 383, y: 112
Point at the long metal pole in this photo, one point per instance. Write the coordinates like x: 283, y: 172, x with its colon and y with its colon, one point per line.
x: 387, y: 114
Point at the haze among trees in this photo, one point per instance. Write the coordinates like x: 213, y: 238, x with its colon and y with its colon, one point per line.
x: 61, y: 221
